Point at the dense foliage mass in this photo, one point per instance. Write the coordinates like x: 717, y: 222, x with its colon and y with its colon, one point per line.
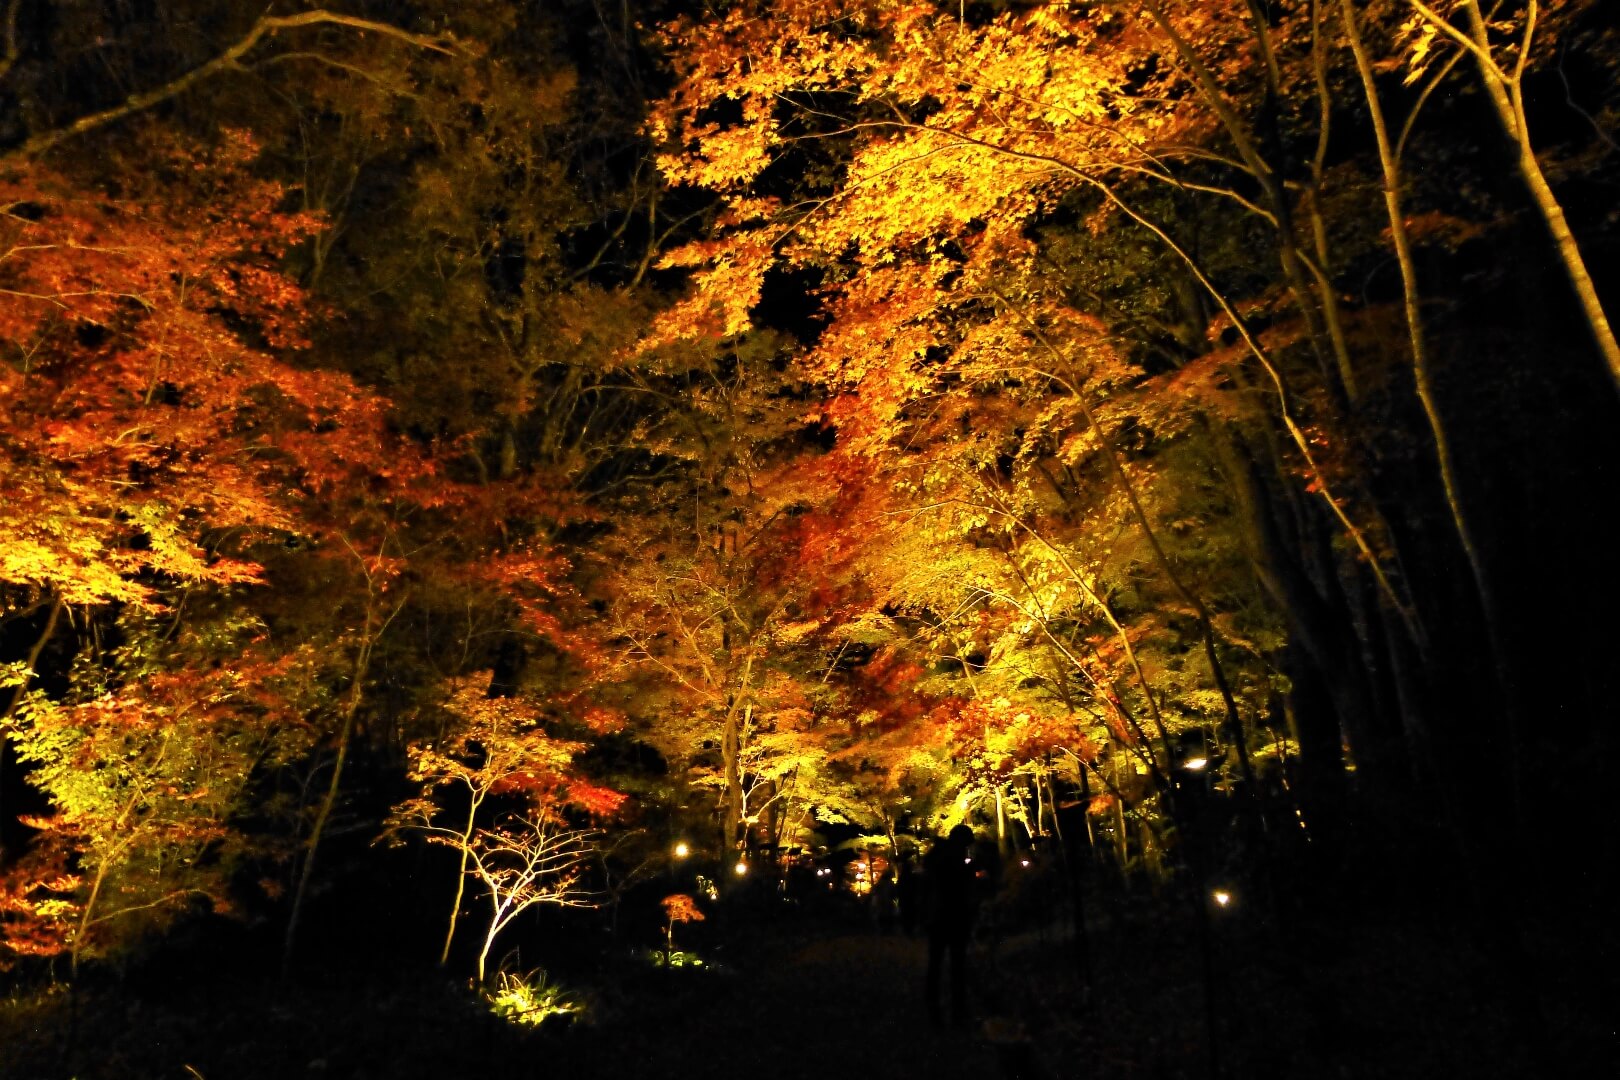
x: 1170, y: 432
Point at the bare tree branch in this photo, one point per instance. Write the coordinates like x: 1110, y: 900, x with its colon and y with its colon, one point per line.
x: 267, y: 25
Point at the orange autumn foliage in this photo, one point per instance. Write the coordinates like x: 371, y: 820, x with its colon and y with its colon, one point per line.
x: 150, y: 423
x: 681, y: 908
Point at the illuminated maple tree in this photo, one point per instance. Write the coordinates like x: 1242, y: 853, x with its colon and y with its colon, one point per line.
x: 155, y: 434
x: 963, y: 186
x: 146, y: 774
x: 527, y: 854
x: 678, y: 908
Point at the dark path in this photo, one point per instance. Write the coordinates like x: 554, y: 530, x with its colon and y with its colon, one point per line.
x: 823, y: 1001
x: 808, y: 1001
x: 813, y: 1007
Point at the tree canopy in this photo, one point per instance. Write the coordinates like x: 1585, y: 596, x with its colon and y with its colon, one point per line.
x: 1173, y: 431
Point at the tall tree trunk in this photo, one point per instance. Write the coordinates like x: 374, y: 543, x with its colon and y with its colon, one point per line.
x: 1001, y: 823
x: 1314, y: 727
x: 318, y: 830
x: 351, y: 709
x: 1323, y: 658
x: 1424, y: 379
x: 731, y: 761
x: 1506, y: 92
x: 461, y: 880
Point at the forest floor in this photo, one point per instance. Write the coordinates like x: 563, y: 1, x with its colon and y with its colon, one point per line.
x: 832, y: 996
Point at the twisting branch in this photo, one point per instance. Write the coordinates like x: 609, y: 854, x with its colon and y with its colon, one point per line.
x: 267, y: 25
x: 1271, y: 182
x: 1284, y: 403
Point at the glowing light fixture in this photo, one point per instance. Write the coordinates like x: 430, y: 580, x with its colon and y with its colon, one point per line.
x: 1222, y: 897
x: 741, y: 867
x: 1194, y: 764
x: 681, y: 850
x: 1023, y: 862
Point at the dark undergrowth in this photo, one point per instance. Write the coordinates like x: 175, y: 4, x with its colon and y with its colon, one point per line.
x: 1364, y: 998
x: 1367, y: 995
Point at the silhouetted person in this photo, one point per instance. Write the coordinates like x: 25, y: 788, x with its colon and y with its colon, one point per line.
x: 951, y: 898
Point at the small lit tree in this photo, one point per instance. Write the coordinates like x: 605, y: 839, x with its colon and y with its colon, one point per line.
x: 501, y: 752
x: 499, y: 748
x: 677, y: 908
x: 526, y: 863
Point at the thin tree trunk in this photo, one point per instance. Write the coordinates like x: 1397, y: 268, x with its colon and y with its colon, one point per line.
x: 317, y: 830
x: 351, y: 709
x: 731, y: 759
x: 85, y: 919
x: 1001, y: 821
x: 1040, y: 806
x: 1321, y: 267
x: 1422, y: 373
x: 1250, y: 149
x: 461, y: 881
x: 1075, y: 880
x: 495, y: 927
x: 1506, y: 91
